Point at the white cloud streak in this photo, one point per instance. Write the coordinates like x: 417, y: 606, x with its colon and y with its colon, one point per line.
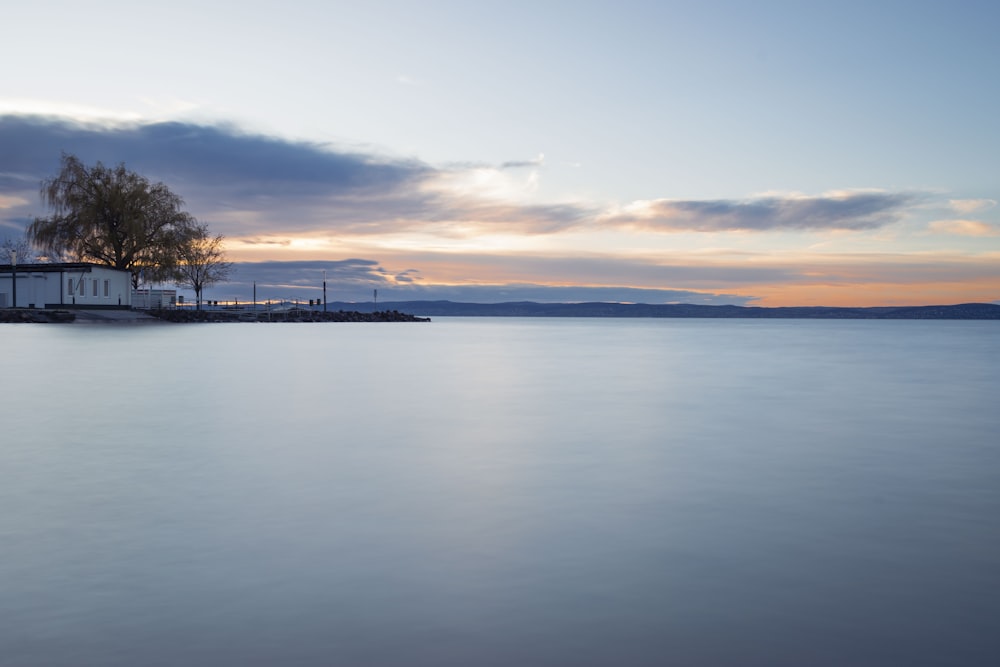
x: 966, y: 206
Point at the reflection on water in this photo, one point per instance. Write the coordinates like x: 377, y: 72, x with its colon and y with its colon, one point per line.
x: 501, y: 491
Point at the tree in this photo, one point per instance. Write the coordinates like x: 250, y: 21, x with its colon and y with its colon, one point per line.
x: 25, y: 253
x: 202, y: 262
x: 112, y: 216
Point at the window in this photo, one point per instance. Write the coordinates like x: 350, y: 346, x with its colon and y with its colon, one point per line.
x: 107, y: 288
x: 82, y: 285
x: 95, y: 287
x: 69, y: 285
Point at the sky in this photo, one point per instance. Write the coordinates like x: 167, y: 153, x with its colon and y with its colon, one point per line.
x: 749, y: 153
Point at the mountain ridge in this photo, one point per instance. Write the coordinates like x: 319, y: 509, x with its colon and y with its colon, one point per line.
x: 963, y: 311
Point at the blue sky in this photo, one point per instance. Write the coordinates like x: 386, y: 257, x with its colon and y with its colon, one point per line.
x: 787, y: 153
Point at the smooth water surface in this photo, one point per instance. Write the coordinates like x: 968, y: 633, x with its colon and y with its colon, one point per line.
x: 501, y: 492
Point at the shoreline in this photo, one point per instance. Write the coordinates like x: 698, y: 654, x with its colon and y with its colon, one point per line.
x: 400, y: 312
x: 128, y: 316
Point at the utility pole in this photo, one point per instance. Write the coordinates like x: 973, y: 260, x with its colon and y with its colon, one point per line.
x: 324, y: 290
x: 13, y: 274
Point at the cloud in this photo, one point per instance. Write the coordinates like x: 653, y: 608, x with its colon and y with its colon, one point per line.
x: 249, y: 185
x: 277, y: 198
x: 722, y: 280
x: 216, y: 169
x: 408, y: 276
x: 309, y: 274
x: 835, y: 211
x: 492, y: 278
x: 354, y: 280
x: 964, y: 228
x: 521, y: 164
x: 503, y: 216
x: 206, y: 155
x: 971, y: 205
x: 9, y: 201
x: 556, y: 294
x: 258, y: 241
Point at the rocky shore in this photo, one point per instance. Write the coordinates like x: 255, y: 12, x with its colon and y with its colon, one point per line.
x: 46, y: 316
x: 31, y: 315
x: 293, y: 315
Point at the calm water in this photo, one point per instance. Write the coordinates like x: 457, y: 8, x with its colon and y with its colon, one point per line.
x: 501, y: 492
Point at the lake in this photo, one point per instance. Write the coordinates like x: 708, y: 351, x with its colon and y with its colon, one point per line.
x: 501, y: 492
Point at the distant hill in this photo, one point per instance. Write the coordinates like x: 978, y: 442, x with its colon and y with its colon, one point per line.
x: 965, y: 311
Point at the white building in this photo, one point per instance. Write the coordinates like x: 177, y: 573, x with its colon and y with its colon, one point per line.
x: 64, y: 285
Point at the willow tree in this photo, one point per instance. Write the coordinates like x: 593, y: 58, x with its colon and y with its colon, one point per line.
x: 202, y: 262
x: 115, y: 217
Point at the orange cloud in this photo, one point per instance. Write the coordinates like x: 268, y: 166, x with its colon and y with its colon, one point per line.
x: 964, y: 228
x: 788, y: 280
x: 877, y: 294
x: 10, y: 201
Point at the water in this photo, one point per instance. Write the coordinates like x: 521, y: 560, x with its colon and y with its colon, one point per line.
x: 501, y: 492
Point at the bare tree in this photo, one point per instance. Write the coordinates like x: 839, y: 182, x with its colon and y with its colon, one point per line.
x: 202, y: 262
x: 112, y: 216
x: 26, y: 254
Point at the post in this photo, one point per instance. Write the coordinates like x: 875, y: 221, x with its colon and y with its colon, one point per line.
x: 255, y: 296
x: 13, y: 275
x: 324, y: 290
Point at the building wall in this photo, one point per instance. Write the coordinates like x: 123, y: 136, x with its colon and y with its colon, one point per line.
x: 33, y: 289
x: 55, y: 285
x: 98, y: 287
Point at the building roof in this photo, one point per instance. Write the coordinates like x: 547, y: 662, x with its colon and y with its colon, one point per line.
x: 53, y: 267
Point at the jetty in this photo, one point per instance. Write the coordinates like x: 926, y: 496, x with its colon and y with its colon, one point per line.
x: 178, y: 315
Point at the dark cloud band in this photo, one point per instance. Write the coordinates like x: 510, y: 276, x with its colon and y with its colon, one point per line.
x: 849, y: 211
x: 248, y: 185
